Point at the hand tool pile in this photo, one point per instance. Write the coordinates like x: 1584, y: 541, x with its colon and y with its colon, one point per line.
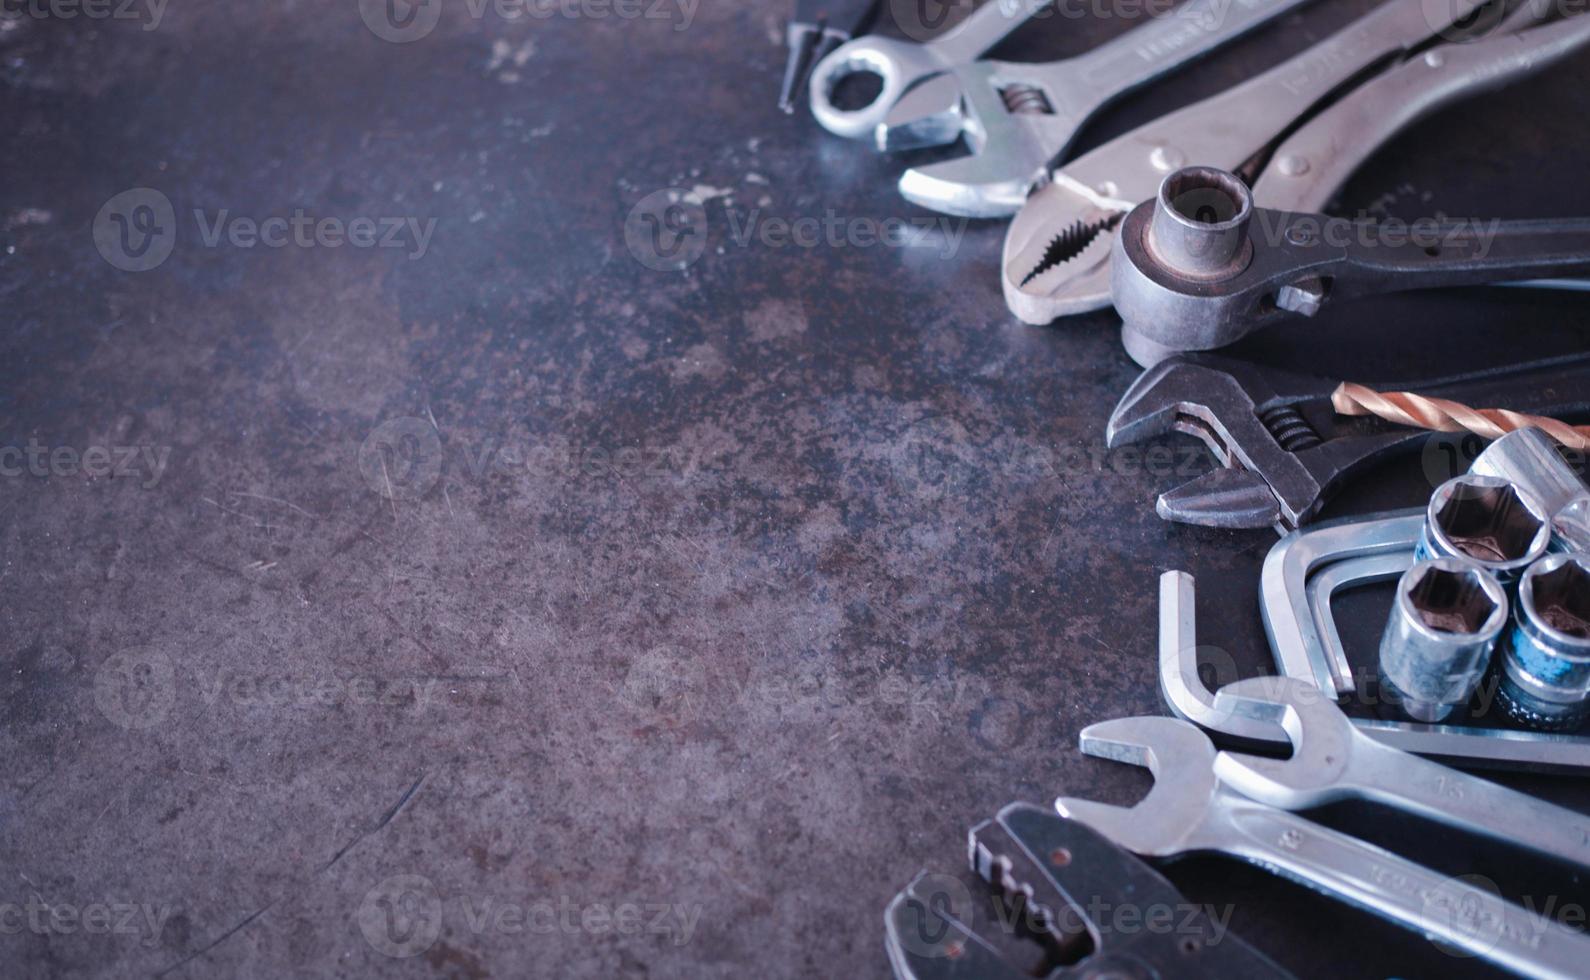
x: 1199, y: 228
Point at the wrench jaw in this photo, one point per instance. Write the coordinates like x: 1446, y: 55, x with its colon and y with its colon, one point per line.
x: 1322, y: 744
x: 1178, y: 396
x: 976, y: 186
x: 930, y: 114
x: 1180, y: 757
x: 1251, y: 419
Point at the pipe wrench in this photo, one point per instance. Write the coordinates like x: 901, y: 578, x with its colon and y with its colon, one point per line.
x: 1057, y: 250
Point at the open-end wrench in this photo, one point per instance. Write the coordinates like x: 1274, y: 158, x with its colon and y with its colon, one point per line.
x: 1065, y: 875
x: 902, y: 64
x: 1200, y: 267
x: 1057, y: 250
x: 1332, y: 760
x: 1283, y: 448
x: 1019, y: 119
x: 1189, y: 811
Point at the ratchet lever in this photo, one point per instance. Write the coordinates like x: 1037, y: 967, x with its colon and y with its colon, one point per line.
x: 1065, y: 885
x: 1200, y: 267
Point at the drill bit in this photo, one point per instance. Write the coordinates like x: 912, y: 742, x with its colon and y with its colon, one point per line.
x: 1421, y: 412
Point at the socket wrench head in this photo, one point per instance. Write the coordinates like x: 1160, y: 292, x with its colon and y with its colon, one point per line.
x: 1529, y: 459
x: 1443, y: 629
x: 1200, y: 224
x: 1546, y: 673
x: 1488, y: 521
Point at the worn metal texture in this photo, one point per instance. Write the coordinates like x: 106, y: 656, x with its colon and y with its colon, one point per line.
x: 693, y: 611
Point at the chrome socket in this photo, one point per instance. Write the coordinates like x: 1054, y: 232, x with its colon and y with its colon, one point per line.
x: 1529, y: 459
x: 1199, y: 227
x: 1443, y: 630
x: 1546, y: 670
x: 1488, y: 521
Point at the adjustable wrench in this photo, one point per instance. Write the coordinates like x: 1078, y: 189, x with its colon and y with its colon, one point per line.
x: 1057, y: 251
x: 1018, y: 119
x: 1284, y: 449
x: 1333, y: 760
x: 903, y: 64
x: 1189, y: 810
x: 1065, y: 873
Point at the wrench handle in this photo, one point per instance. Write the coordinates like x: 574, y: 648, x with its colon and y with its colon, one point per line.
x: 1470, y: 803
x: 1308, y: 169
x: 1162, y: 44
x: 1408, y: 894
x: 1554, y: 386
x: 983, y: 28
x: 1226, y: 130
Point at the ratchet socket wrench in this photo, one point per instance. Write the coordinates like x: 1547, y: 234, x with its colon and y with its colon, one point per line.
x: 1200, y: 267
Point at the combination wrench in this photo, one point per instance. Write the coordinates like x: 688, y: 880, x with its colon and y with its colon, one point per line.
x: 1189, y: 810
x: 1017, y: 119
x: 1333, y: 760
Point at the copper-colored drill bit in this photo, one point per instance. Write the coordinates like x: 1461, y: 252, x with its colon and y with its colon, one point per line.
x: 1421, y: 412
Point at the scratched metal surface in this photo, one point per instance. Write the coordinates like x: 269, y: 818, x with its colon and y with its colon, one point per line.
x: 684, y: 615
